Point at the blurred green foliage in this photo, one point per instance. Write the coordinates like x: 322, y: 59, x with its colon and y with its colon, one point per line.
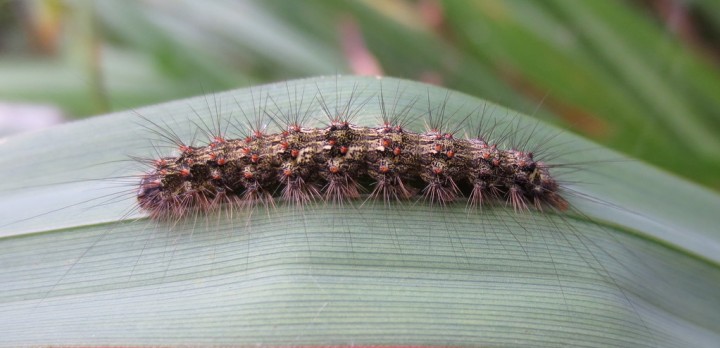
x: 637, y: 76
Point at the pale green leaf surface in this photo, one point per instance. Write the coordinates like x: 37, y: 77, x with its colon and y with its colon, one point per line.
x: 644, y: 272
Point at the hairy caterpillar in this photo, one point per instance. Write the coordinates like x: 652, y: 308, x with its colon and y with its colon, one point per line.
x: 461, y: 276
x: 330, y: 164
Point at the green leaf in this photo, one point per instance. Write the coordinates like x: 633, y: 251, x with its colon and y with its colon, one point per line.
x: 637, y: 263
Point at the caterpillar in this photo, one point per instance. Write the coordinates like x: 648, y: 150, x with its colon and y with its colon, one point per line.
x: 303, y: 164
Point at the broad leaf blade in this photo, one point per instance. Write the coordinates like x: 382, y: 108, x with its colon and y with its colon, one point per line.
x: 642, y: 273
